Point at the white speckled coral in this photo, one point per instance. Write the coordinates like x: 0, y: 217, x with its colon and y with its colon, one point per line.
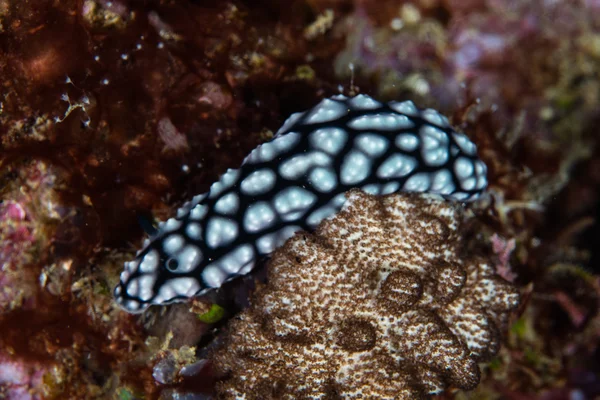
x: 378, y: 303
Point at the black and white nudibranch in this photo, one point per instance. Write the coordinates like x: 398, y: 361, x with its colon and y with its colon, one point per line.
x: 293, y: 182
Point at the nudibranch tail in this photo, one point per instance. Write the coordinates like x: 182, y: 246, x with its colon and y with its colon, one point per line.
x: 295, y: 181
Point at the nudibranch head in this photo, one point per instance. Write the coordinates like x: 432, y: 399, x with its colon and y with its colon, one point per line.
x: 294, y: 182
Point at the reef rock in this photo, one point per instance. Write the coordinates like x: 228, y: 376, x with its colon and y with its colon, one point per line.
x: 381, y: 302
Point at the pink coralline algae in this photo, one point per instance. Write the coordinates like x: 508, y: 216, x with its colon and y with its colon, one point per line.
x: 27, y: 201
x: 20, y: 380
x: 381, y: 302
x: 16, y: 231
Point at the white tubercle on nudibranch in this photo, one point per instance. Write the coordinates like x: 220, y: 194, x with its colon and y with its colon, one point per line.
x: 295, y: 181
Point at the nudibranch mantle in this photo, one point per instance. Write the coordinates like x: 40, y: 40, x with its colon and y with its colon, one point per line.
x: 293, y: 182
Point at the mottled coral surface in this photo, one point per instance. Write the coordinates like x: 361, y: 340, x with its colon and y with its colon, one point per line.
x: 381, y: 303
x: 112, y: 112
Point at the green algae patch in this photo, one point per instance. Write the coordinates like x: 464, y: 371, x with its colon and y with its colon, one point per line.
x: 213, y: 315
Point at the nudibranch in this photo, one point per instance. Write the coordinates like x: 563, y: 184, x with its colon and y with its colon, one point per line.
x: 292, y: 183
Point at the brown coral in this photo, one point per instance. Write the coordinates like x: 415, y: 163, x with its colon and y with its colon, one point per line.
x: 378, y: 303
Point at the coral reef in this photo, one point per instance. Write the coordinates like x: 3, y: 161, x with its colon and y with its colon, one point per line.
x: 116, y: 111
x: 381, y: 301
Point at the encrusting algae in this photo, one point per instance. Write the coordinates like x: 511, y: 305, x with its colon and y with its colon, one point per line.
x: 380, y: 303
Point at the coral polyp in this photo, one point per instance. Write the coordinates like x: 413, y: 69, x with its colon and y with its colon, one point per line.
x: 381, y: 302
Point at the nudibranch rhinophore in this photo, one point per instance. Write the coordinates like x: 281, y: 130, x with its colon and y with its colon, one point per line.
x: 293, y: 182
